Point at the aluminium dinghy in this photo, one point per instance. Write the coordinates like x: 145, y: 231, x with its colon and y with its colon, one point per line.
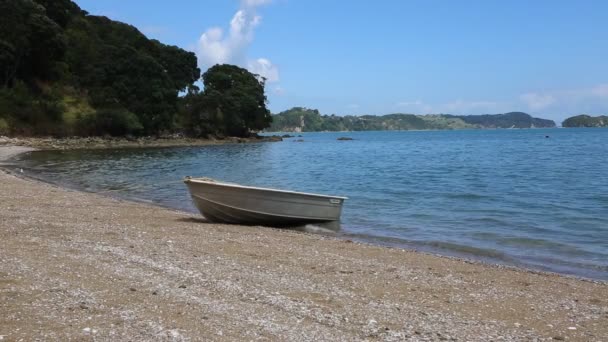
x: 238, y: 204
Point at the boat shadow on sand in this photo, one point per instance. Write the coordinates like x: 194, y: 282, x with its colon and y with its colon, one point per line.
x: 331, y: 227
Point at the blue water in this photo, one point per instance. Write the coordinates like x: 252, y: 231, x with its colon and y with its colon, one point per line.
x: 507, y: 196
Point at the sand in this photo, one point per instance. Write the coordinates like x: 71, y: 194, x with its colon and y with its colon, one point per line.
x: 80, y: 266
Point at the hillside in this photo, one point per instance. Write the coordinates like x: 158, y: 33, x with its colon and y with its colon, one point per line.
x: 301, y: 119
x: 65, y: 72
x: 507, y: 120
x: 586, y: 121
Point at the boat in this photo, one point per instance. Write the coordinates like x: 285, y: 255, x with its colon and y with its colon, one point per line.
x: 224, y: 202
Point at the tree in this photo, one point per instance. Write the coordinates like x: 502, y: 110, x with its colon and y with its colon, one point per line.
x: 55, y: 58
x: 133, y: 80
x: 60, y: 11
x: 232, y: 103
x: 180, y: 65
x: 122, y: 69
x: 30, y: 42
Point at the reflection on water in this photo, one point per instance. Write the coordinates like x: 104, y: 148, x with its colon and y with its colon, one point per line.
x: 507, y: 195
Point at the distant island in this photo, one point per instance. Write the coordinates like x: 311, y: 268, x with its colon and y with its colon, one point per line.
x: 299, y: 119
x: 584, y: 120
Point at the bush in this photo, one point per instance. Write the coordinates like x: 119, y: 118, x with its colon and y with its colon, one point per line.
x: 5, y: 129
x: 32, y: 111
x: 112, y: 121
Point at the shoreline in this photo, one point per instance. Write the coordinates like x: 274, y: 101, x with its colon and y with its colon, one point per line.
x: 145, y: 272
x: 499, y: 260
x: 7, y: 152
x: 75, y: 143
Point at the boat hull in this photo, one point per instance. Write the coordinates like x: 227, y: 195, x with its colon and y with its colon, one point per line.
x: 232, y: 203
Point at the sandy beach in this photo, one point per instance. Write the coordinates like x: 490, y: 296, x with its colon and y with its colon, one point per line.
x: 80, y: 266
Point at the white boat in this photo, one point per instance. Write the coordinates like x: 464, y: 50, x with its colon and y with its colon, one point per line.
x: 233, y: 203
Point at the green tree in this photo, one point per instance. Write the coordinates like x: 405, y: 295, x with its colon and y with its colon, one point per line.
x: 60, y: 11
x: 121, y: 68
x: 55, y: 57
x: 30, y: 42
x: 584, y: 120
x: 180, y: 65
x: 232, y: 103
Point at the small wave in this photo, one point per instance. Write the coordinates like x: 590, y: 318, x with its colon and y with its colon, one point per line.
x: 467, y: 196
x: 530, y: 242
x: 603, y: 199
x: 467, y: 250
x: 490, y: 220
x: 318, y: 229
x: 448, y: 248
x: 547, y: 245
x: 489, y: 236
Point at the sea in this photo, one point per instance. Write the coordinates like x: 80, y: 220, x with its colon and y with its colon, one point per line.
x: 534, y: 198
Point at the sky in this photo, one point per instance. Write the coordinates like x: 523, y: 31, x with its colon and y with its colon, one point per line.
x: 548, y: 58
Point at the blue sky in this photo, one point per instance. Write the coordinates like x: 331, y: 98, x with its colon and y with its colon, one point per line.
x: 547, y: 58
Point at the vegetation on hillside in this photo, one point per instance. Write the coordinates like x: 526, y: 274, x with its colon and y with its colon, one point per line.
x: 310, y: 120
x: 65, y: 72
x: 586, y: 121
x: 507, y: 120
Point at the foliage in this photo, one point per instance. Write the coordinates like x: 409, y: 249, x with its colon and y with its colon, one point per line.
x: 122, y: 68
x: 61, y: 11
x: 111, y: 121
x: 4, y: 127
x: 586, y: 121
x: 51, y: 50
x: 31, y: 44
x: 310, y: 120
x: 508, y: 120
x: 29, y: 112
x: 233, y: 103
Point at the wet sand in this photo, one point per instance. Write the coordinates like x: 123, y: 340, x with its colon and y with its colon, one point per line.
x: 80, y: 266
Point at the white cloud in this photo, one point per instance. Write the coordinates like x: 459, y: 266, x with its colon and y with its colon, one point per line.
x: 600, y: 91
x: 571, y: 100
x: 278, y: 90
x: 537, y: 101
x: 255, y: 3
x: 264, y: 68
x: 454, y: 107
x: 213, y: 49
x: 409, y: 103
x: 218, y: 47
x: 460, y: 106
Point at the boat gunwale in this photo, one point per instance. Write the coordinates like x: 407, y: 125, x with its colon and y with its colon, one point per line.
x: 233, y: 185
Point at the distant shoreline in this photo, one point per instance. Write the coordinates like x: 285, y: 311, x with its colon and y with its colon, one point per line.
x: 421, y: 130
x: 301, y: 118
